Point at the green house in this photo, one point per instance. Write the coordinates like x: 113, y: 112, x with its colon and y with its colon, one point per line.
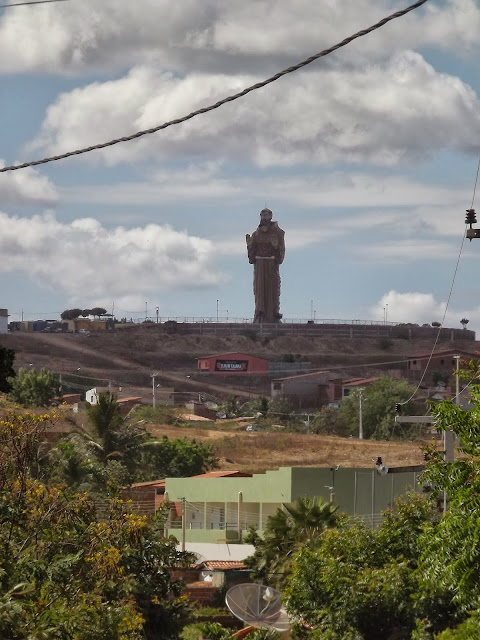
x: 221, y: 509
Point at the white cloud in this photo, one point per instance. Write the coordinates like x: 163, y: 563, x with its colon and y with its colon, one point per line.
x: 26, y: 187
x: 423, y: 308
x: 380, y: 114
x: 88, y: 262
x: 226, y: 36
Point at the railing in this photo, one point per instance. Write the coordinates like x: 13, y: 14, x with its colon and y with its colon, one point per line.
x: 238, y: 320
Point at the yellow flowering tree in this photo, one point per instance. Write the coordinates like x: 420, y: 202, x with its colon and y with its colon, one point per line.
x: 68, y: 572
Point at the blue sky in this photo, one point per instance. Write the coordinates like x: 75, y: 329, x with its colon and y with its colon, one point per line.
x: 367, y: 157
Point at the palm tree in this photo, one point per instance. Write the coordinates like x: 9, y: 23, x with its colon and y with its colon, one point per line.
x: 286, y: 531
x: 110, y: 436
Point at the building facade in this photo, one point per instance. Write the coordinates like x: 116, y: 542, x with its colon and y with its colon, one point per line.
x: 221, y: 509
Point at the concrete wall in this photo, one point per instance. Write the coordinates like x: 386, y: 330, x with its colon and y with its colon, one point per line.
x: 3, y: 321
x: 321, y: 329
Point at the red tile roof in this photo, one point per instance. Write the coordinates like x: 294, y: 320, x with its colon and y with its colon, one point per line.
x: 223, y: 565
x: 355, y: 382
x: 148, y: 483
x: 302, y: 375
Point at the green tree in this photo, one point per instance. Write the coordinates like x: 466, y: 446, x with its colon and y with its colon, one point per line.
x: 329, y: 421
x: 360, y: 584
x: 34, y: 388
x: 285, y: 532
x: 378, y: 409
x: 450, y: 560
x: 111, y: 439
x: 176, y: 458
x: 98, y: 311
x: 71, y: 314
x: 7, y: 358
x: 67, y: 575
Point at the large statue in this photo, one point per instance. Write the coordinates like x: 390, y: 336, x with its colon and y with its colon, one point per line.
x: 266, y: 250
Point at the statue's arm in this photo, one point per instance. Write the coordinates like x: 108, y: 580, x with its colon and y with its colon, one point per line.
x: 281, y: 246
x: 250, y: 248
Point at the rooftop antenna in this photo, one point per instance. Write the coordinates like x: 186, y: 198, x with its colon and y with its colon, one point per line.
x: 258, y: 606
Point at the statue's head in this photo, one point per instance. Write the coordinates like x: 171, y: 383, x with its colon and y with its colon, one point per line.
x: 265, y: 216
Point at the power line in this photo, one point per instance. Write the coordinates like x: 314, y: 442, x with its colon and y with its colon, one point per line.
x: 19, y: 4
x: 455, y: 271
x: 216, y: 105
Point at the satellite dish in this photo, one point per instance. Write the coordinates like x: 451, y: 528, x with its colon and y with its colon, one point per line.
x: 258, y: 606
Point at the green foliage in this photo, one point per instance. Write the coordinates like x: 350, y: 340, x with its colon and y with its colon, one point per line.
x: 177, y: 458
x: 210, y: 630
x: 115, y: 451
x: 329, y: 421
x: 378, y: 409
x: 98, y: 311
x: 7, y: 358
x: 161, y: 414
x: 71, y: 314
x: 450, y: 552
x: 439, y: 376
x: 65, y: 574
x: 385, y: 344
x: 34, y: 389
x: 358, y: 583
x: 286, y: 530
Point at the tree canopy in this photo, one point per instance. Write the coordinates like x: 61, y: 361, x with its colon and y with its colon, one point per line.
x: 414, y: 578
x: 7, y: 358
x: 378, y: 409
x: 34, y: 388
x: 69, y: 572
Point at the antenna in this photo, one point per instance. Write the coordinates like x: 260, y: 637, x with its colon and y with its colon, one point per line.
x: 258, y: 606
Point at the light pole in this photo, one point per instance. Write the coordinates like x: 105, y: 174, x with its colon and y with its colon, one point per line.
x: 217, y: 311
x: 360, y: 414
x: 153, y: 375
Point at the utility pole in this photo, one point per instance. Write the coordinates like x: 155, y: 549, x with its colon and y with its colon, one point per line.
x: 153, y: 375
x: 217, y: 311
x: 146, y: 310
x: 360, y: 414
x: 184, y: 522
x: 157, y: 313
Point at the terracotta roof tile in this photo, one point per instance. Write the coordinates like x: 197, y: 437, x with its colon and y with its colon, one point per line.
x: 223, y: 565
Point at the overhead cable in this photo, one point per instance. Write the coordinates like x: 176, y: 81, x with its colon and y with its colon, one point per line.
x: 455, y: 271
x: 19, y: 4
x: 216, y: 105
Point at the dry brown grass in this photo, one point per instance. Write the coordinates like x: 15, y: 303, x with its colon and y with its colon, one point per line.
x: 257, y: 452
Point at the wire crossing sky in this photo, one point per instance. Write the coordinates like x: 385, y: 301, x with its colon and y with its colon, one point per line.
x: 255, y: 87
x: 367, y: 160
x: 19, y: 4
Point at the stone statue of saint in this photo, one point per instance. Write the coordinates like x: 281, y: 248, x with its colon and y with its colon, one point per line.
x: 266, y: 250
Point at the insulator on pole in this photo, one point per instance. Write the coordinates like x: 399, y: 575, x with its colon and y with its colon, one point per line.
x: 470, y: 218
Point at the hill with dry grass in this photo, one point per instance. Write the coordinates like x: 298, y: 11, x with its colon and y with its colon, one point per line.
x: 127, y: 360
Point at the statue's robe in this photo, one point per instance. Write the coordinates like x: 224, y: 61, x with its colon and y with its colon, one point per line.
x: 266, y: 251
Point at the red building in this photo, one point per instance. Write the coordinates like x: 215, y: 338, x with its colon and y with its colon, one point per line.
x: 233, y: 363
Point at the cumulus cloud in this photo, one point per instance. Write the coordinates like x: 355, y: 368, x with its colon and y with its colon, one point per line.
x: 423, y: 308
x: 26, y: 187
x: 86, y: 261
x: 226, y: 36
x: 381, y: 114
